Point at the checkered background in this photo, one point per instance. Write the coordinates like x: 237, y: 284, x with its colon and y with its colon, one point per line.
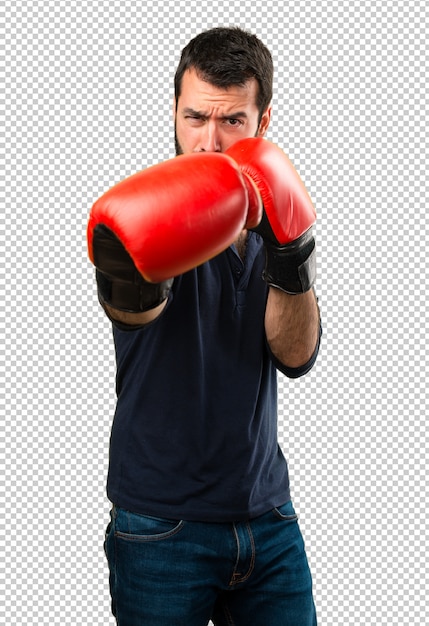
x: 87, y: 90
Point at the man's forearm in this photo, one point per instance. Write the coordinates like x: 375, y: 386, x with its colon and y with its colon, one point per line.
x: 292, y: 325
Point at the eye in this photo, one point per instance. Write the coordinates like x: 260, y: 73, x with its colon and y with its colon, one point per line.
x: 232, y: 121
x: 194, y: 119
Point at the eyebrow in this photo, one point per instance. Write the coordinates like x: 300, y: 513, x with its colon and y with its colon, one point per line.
x: 204, y: 116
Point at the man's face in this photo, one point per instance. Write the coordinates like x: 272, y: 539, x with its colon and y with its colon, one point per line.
x: 211, y: 119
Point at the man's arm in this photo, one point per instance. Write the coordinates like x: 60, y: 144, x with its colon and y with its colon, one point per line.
x: 133, y: 319
x: 292, y: 326
x: 162, y: 222
x: 292, y: 323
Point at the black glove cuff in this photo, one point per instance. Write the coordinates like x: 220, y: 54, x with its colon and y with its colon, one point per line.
x: 119, y: 283
x: 291, y: 267
x: 131, y: 297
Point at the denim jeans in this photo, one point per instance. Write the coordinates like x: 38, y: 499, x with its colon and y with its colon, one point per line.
x: 177, y: 573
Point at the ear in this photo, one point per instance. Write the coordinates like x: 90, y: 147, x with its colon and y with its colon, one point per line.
x: 174, y: 108
x: 265, y: 122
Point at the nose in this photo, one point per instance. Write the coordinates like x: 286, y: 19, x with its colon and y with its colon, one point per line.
x: 210, y: 139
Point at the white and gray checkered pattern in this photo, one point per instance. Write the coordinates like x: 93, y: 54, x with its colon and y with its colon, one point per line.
x: 88, y: 89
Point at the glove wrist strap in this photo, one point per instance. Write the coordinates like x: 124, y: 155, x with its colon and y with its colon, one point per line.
x: 131, y: 297
x: 119, y: 283
x: 291, y: 267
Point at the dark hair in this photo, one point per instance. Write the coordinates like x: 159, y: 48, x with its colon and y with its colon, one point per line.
x: 225, y: 57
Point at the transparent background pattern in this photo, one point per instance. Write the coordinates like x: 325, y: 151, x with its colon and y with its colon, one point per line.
x: 86, y: 100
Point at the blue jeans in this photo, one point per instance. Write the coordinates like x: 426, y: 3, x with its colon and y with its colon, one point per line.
x: 177, y: 573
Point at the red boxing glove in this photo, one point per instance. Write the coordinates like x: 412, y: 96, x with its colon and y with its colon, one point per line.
x: 164, y: 221
x: 289, y: 215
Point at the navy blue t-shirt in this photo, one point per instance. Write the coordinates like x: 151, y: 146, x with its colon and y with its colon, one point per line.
x: 194, y: 435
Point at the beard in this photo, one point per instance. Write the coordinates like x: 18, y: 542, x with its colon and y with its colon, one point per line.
x: 177, y: 145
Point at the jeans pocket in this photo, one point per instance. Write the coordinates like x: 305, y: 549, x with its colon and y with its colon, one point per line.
x: 106, y: 536
x: 143, y: 528
x: 286, y: 512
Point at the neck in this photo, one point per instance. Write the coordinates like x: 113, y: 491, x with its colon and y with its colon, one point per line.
x: 241, y: 243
